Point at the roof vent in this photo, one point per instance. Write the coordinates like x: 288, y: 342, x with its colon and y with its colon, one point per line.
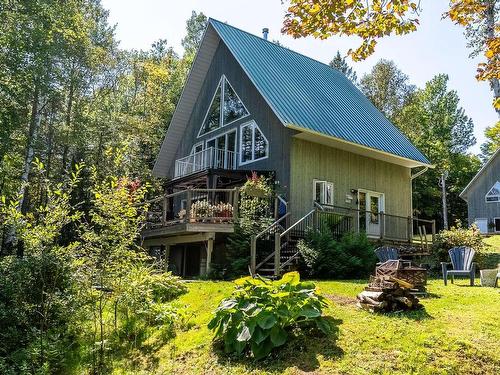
x: 265, y: 32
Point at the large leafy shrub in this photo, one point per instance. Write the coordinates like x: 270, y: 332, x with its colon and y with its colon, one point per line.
x: 262, y: 314
x: 461, y: 236
x: 457, y: 236
x: 324, y: 257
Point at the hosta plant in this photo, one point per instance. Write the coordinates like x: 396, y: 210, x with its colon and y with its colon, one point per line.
x: 262, y: 314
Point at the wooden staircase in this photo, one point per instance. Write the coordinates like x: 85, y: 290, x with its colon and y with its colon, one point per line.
x: 283, y: 255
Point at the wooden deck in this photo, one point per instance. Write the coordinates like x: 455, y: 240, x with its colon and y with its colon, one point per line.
x: 186, y: 228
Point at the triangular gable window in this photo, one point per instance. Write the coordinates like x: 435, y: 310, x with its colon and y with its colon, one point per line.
x: 225, y: 108
x: 212, y: 118
x: 494, y: 194
x: 233, y: 107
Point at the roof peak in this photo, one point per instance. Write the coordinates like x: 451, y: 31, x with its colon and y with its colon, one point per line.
x: 210, y: 19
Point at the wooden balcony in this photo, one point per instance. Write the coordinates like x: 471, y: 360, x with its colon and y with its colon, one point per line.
x: 192, y: 211
x: 209, y: 158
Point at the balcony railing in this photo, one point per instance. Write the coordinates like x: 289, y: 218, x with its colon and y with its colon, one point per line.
x: 205, y: 159
x: 193, y: 206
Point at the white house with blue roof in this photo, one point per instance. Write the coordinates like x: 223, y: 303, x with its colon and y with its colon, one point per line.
x: 251, y: 105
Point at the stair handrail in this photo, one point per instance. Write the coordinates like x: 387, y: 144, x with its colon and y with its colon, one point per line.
x: 260, y: 234
x: 298, y: 222
x: 318, y: 205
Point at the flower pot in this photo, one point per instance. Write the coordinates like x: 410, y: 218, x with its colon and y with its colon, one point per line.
x: 488, y: 277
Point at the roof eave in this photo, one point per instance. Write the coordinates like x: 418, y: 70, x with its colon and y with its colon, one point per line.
x: 483, y: 168
x: 358, y: 148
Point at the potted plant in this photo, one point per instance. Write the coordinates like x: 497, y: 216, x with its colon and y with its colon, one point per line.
x: 182, y: 215
x: 257, y: 186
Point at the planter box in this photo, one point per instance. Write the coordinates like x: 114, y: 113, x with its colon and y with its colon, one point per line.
x: 488, y: 277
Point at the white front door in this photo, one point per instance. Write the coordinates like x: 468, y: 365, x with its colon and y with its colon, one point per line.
x: 482, y: 224
x: 371, y: 204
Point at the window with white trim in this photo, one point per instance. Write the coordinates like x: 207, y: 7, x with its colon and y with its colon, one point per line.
x: 225, y: 108
x: 323, y: 192
x: 253, y: 143
x: 493, y: 195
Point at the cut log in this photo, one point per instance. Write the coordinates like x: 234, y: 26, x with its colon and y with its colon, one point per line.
x: 384, y: 295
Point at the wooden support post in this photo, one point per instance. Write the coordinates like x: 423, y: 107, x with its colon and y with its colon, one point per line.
x: 277, y: 254
x: 382, y: 224
x: 164, y: 211
x: 167, y: 256
x: 188, y: 204
x: 210, y: 249
x: 276, y: 208
x: 410, y: 229
x: 253, y: 254
x: 236, y: 202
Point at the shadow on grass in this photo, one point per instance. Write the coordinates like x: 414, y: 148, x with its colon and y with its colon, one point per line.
x: 430, y: 295
x: 301, y: 351
x: 416, y: 315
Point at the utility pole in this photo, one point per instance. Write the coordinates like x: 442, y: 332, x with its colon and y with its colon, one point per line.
x: 442, y: 182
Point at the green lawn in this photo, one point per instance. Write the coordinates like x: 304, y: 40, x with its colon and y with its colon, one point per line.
x: 494, y: 243
x: 458, y: 333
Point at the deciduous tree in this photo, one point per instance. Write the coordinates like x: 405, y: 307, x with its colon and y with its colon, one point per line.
x: 375, y: 19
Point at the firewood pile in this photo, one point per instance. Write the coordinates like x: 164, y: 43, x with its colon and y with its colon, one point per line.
x: 388, y: 294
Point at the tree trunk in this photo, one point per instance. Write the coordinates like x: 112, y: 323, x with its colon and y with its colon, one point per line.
x: 37, y: 106
x: 36, y: 118
x: 68, y: 125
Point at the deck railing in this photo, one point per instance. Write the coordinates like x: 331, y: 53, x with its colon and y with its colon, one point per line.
x: 193, y: 206
x: 377, y: 224
x: 205, y: 159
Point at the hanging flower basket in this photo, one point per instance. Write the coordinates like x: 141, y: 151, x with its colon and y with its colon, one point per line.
x: 255, y: 191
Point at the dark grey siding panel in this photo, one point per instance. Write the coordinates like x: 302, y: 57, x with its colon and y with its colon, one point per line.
x: 478, y: 208
x: 277, y: 135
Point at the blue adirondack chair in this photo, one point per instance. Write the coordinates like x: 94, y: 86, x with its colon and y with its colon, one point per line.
x: 461, y: 260
x: 385, y: 253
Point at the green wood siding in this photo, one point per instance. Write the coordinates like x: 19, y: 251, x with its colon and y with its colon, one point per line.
x: 347, y: 171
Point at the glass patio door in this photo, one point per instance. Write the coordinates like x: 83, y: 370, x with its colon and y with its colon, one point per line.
x: 224, y: 147
x: 371, y: 204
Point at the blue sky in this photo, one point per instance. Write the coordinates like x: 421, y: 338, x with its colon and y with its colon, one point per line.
x: 438, y: 46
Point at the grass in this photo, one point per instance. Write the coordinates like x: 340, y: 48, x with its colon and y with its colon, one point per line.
x: 494, y: 243
x: 458, y: 332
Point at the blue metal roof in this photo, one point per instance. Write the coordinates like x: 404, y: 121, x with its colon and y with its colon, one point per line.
x: 308, y: 94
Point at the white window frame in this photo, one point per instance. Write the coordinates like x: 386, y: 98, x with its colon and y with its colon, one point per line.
x: 325, y: 190
x: 253, y: 160
x: 210, y: 106
x: 233, y: 130
x: 201, y: 143
x: 222, y: 103
x: 222, y: 83
x: 495, y: 196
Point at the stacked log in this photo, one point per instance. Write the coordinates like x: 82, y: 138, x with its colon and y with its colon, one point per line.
x: 388, y: 295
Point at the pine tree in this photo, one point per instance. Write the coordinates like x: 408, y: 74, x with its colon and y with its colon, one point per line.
x: 341, y: 65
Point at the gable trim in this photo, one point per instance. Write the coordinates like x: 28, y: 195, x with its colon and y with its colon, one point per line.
x: 190, y: 92
x: 479, y: 173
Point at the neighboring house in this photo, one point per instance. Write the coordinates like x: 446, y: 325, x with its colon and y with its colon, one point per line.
x: 251, y: 105
x: 482, y: 195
